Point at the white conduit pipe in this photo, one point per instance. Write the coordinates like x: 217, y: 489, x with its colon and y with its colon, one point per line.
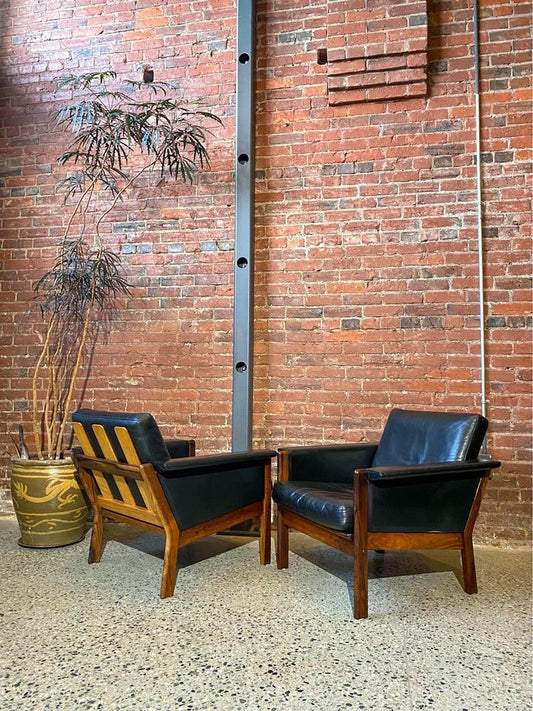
x: 479, y: 216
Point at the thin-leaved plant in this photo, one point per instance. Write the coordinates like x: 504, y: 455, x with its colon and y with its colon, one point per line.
x: 118, y: 134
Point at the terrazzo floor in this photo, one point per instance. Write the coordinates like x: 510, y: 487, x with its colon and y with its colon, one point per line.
x: 237, y: 636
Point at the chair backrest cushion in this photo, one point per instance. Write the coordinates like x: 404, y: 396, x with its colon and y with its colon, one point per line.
x: 424, y: 437
x: 141, y: 426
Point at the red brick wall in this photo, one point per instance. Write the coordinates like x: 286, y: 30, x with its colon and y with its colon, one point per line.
x: 367, y: 293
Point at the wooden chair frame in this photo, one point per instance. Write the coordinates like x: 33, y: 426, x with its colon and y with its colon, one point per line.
x: 361, y: 540
x: 155, y: 514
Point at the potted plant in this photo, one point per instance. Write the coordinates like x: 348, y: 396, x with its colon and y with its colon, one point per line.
x: 119, y: 133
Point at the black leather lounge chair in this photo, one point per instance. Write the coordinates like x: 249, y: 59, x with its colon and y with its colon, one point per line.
x: 131, y: 474
x: 421, y: 487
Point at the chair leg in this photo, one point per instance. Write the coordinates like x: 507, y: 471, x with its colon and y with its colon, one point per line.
x: 170, y: 563
x: 360, y: 584
x: 96, y: 547
x: 469, y: 565
x: 265, y: 535
x: 282, y: 542
x: 360, y: 546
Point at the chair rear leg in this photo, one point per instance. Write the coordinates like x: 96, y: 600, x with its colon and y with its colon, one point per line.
x: 170, y: 563
x: 265, y: 536
x: 282, y: 542
x: 469, y: 565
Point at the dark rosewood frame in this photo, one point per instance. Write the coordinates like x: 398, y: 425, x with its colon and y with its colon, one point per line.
x: 156, y: 515
x: 361, y: 540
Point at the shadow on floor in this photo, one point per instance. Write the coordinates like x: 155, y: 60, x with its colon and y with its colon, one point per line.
x: 381, y: 565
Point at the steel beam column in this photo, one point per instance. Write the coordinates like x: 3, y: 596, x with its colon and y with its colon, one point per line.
x: 243, y: 317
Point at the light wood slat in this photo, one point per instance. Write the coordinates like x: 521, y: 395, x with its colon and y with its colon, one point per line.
x: 127, y: 445
x: 125, y: 491
x: 102, y: 484
x: 88, y: 450
x: 105, y: 444
x: 109, y: 453
x: 83, y: 439
x: 116, y: 516
x: 146, y: 496
x: 132, y: 457
x: 134, y: 512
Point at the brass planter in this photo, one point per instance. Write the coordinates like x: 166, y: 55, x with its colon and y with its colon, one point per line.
x: 49, y: 504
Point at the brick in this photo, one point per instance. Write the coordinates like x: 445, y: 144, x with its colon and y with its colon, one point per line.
x: 383, y: 63
x: 366, y: 260
x: 347, y: 66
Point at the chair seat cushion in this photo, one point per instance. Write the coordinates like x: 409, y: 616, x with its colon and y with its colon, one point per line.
x: 329, y: 504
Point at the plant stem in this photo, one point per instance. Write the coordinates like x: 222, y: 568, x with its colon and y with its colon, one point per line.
x: 88, y: 189
x: 50, y: 400
x: 57, y: 376
x: 35, y: 418
x: 75, y: 370
x: 120, y: 193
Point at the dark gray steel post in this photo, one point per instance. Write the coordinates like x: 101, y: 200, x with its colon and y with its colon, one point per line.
x: 243, y: 316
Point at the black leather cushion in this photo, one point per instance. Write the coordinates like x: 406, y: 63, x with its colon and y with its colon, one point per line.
x: 420, y: 437
x: 142, y: 427
x: 329, y: 504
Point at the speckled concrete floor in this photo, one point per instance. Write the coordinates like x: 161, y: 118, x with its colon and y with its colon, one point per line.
x: 240, y: 637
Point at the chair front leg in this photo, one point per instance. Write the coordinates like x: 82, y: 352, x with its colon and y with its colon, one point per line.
x: 469, y: 565
x: 467, y: 550
x: 170, y: 561
x: 282, y: 542
x: 96, y: 547
x: 360, y: 545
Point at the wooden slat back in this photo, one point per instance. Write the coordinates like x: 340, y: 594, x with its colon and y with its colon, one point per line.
x: 132, y: 457
x: 103, y: 485
x: 83, y: 439
x: 127, y: 445
x: 105, y: 444
x: 129, y: 505
x: 88, y: 450
x: 93, y: 469
x: 109, y: 453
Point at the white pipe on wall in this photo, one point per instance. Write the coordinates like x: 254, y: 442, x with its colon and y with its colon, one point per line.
x: 479, y: 204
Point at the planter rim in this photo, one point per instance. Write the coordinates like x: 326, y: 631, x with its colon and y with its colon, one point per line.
x: 37, y: 462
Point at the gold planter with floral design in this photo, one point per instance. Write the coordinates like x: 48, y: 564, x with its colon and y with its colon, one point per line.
x: 48, y: 501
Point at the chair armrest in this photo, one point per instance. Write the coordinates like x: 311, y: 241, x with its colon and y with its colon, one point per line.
x: 441, y: 470
x: 328, y: 462
x: 81, y: 460
x: 214, y: 462
x: 180, y: 447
